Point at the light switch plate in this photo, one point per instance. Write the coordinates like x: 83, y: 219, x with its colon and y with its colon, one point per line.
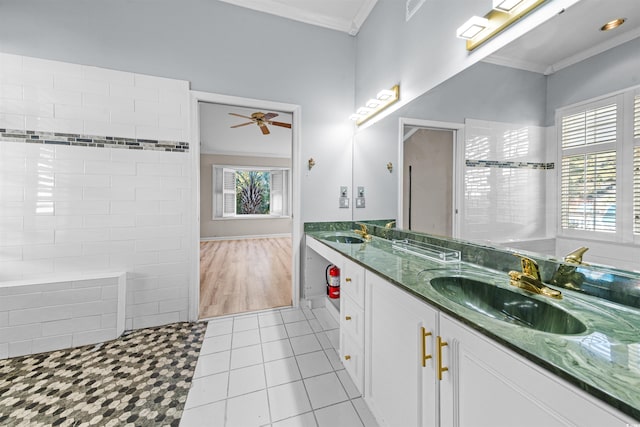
x: 359, y: 202
x: 344, y: 202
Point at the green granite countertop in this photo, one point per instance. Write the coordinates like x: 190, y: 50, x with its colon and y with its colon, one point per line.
x: 604, y: 360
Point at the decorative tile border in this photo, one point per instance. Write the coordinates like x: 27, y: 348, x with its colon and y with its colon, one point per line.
x: 508, y: 165
x: 74, y: 139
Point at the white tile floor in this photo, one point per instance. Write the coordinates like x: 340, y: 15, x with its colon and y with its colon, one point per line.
x: 278, y: 368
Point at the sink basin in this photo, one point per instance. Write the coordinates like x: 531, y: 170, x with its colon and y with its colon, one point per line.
x: 342, y: 238
x: 507, y: 306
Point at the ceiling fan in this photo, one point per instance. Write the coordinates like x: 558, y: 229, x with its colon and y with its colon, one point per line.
x: 262, y: 120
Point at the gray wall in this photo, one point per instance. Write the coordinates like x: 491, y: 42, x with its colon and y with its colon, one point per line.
x: 219, y: 48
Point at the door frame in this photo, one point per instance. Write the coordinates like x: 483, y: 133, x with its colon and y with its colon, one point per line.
x: 296, y: 232
x: 458, y: 166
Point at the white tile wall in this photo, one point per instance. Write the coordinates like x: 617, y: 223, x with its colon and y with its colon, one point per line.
x: 37, y: 317
x: 82, y: 209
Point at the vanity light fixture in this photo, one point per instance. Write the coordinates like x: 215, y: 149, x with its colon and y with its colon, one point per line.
x: 474, y: 26
x: 505, y: 5
x: 478, y: 30
x: 373, y: 106
x: 613, y: 24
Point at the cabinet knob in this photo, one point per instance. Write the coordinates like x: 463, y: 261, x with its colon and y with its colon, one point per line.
x: 347, y: 357
x: 347, y: 318
x: 347, y: 279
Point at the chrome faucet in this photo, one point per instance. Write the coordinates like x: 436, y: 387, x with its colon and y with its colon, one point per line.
x: 529, y: 279
x: 363, y: 232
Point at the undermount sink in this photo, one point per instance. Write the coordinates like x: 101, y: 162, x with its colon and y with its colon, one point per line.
x: 343, y: 238
x: 507, y: 306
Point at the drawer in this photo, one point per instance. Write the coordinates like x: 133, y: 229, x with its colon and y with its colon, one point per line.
x: 352, y: 357
x: 352, y: 319
x: 352, y: 281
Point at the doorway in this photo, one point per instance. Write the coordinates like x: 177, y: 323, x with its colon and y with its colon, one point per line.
x: 246, y: 207
x: 428, y: 187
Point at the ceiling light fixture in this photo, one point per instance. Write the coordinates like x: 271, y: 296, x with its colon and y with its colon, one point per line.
x: 372, y: 107
x: 503, y: 14
x: 612, y: 24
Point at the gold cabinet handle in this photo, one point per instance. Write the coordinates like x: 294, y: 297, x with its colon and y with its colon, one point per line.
x: 347, y: 279
x: 347, y: 357
x: 425, y: 356
x: 347, y: 318
x: 441, y: 369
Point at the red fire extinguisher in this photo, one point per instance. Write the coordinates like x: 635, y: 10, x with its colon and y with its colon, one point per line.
x: 333, y: 281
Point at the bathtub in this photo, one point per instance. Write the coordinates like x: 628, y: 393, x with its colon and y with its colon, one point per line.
x: 53, y: 313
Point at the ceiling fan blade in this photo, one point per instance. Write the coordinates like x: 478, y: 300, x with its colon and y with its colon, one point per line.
x: 242, y: 124
x: 269, y: 116
x: 240, y: 115
x: 264, y: 129
x: 284, y: 125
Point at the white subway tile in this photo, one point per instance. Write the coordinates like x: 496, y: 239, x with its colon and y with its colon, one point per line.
x: 57, y: 250
x: 10, y: 62
x: 162, y: 269
x: 109, y: 292
x: 175, y: 280
x: 35, y: 288
x: 29, y: 108
x: 159, y: 169
x: 80, y: 85
x: 58, y: 342
x: 94, y: 283
x: 70, y: 296
x: 94, y: 337
x: 82, y: 235
x: 83, y: 112
x: 108, y: 75
x: 154, y: 220
x: 4, y: 319
x: 4, y: 350
x: 109, y: 320
x: 157, y: 194
x: 22, y: 237
x: 64, y: 222
x: 12, y: 166
x: 11, y: 253
x: 53, y: 67
x: 111, y: 102
x: 67, y: 326
x: 37, y: 222
x: 10, y: 91
x: 106, y: 193
x: 136, y: 310
x: 21, y: 301
x: 135, y: 118
x: 130, y: 261
x: 68, y: 126
x: 34, y: 77
x: 173, y: 305
x: 172, y: 256
x: 82, y: 263
x: 142, y: 283
x: 158, y: 244
x: 80, y: 180
x: 55, y: 194
x: 23, y: 332
x: 156, y: 108
x: 52, y: 96
x: 109, y: 168
x: 134, y: 181
x: 84, y: 153
x: 109, y: 221
x: 174, y: 121
x: 135, y: 92
x: 20, y: 348
x: 38, y: 315
x: 128, y: 207
x: 178, y: 97
x: 163, y: 83
x: 82, y: 207
x: 86, y: 309
x: 172, y: 207
x: 133, y: 155
x: 155, y: 320
x: 14, y: 121
x: 109, y: 129
x: 11, y: 193
x: 124, y: 247
x: 158, y: 133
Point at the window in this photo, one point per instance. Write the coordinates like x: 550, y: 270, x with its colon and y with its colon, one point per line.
x: 250, y: 192
x: 636, y: 164
x: 588, y: 140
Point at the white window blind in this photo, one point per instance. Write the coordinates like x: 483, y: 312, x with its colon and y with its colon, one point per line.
x: 229, y: 192
x: 636, y: 117
x: 595, y: 126
x: 636, y: 188
x: 588, y: 176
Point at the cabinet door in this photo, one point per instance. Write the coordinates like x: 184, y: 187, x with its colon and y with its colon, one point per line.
x: 398, y: 388
x: 489, y: 385
x: 352, y: 281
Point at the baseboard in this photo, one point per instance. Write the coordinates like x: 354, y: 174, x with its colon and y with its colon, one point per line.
x: 256, y: 236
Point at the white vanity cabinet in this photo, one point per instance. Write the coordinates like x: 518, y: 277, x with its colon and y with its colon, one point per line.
x: 400, y: 382
x: 352, y: 321
x: 489, y: 385
x: 423, y: 368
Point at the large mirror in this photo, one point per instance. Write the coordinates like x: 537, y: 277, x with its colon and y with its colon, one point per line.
x: 505, y: 186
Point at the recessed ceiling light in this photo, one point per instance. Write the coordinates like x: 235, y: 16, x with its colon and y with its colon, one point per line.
x: 612, y: 24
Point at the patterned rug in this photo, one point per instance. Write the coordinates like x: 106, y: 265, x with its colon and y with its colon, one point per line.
x: 140, y: 379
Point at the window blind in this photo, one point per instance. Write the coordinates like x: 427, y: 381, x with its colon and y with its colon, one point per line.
x: 588, y: 127
x: 636, y: 117
x: 636, y: 186
x: 588, y: 198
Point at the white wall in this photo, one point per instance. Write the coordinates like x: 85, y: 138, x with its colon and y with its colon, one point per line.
x: 84, y: 209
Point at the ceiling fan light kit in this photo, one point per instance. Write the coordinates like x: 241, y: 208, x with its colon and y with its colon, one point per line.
x: 261, y: 120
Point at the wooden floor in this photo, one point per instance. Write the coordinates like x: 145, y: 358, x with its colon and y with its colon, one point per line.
x: 237, y: 276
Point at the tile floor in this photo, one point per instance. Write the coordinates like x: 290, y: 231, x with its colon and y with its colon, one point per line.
x: 278, y: 368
